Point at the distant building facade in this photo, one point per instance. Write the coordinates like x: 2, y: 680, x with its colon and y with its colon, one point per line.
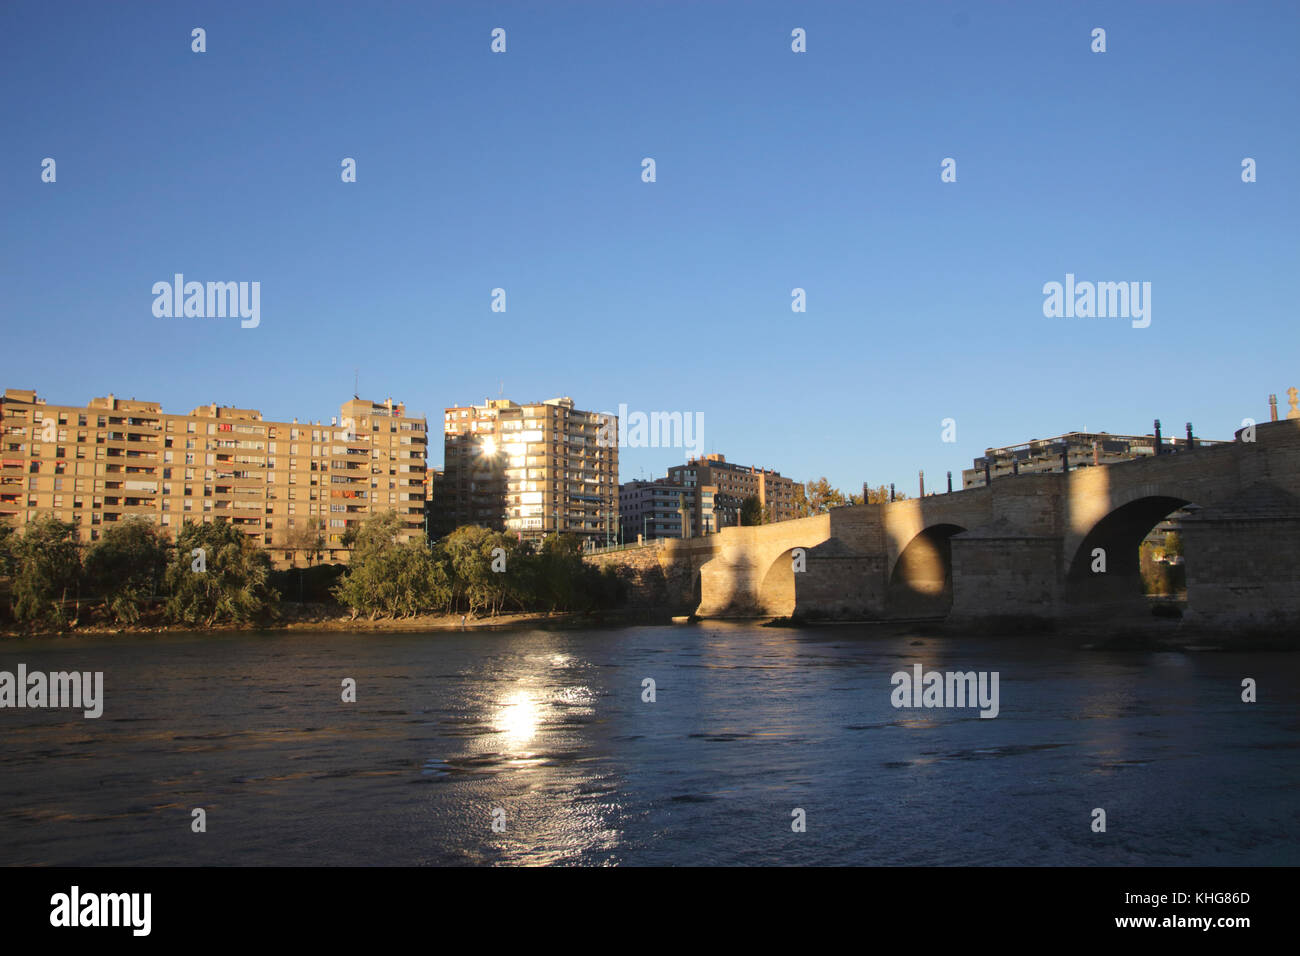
x: 728, y: 483
x: 532, y: 469
x: 663, y: 509
x: 278, y: 482
x: 1072, y: 450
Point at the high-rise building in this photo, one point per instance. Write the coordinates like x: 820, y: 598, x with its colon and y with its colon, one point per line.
x: 279, y: 482
x: 774, y: 493
x: 532, y: 469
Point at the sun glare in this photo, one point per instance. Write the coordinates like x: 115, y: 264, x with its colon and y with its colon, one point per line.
x: 519, y: 718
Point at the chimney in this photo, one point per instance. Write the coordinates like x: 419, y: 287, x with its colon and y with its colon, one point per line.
x: 950, y: 482
x: 1157, y: 443
x: 922, y: 474
x: 1272, y: 408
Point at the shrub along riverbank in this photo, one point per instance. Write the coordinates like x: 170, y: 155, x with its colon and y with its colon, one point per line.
x: 135, y: 577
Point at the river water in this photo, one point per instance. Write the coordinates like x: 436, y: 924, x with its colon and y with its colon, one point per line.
x: 550, y: 728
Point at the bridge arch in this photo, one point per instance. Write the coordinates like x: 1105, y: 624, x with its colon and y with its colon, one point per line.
x: 920, y: 581
x: 1117, y: 537
x: 776, y: 592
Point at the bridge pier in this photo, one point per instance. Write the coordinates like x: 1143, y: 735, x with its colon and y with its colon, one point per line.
x: 840, y: 583
x: 1243, y: 572
x: 1001, y: 574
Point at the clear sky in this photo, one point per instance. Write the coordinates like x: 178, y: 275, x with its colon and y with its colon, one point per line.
x: 775, y: 170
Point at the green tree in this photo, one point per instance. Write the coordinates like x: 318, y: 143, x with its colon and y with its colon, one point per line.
x: 45, y: 565
x: 476, y: 586
x: 390, y: 577
x: 375, y: 534
x: 751, y: 512
x: 6, y: 557
x: 560, y: 572
x: 513, y: 573
x: 234, y: 585
x: 125, y: 567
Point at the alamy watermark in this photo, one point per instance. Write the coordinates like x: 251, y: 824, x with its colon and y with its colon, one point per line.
x: 1102, y: 300
x: 37, y: 689
x: 215, y: 300
x: 75, y: 908
x: 954, y: 689
x: 652, y: 430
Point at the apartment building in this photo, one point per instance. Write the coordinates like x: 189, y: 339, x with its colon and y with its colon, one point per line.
x: 280, y: 482
x: 774, y: 492
x: 533, y: 469
x: 654, y: 509
x: 1073, y: 450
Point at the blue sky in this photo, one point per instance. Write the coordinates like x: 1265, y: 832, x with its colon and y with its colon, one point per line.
x: 775, y: 170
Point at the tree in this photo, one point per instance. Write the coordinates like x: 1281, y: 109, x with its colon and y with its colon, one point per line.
x: 232, y: 584
x: 560, y: 571
x: 125, y: 567
x: 1173, y: 545
x: 6, y: 555
x: 751, y: 512
x: 513, y: 572
x: 402, y: 580
x: 45, y: 565
x: 879, y: 495
x: 389, y: 577
x: 822, y: 496
x: 375, y: 534
x: 483, y: 578
x: 308, y: 538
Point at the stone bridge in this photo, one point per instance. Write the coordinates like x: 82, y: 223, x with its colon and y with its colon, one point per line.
x: 1028, y: 546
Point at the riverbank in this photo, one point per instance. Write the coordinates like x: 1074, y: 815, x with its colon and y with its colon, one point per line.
x: 1156, y: 634
x: 321, y: 617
